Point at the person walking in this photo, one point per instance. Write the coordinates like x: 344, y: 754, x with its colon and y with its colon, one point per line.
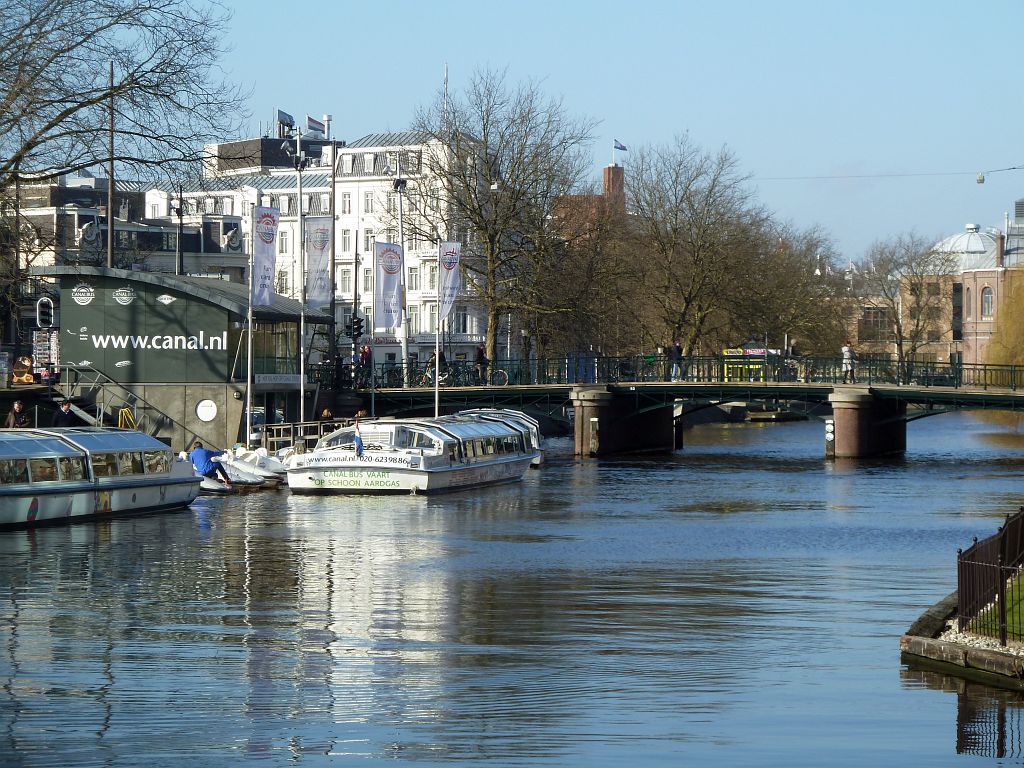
x: 675, y: 356
x: 849, y: 363
x: 65, y: 417
x: 365, y: 365
x: 202, y: 460
x: 480, y: 364
x: 18, y: 418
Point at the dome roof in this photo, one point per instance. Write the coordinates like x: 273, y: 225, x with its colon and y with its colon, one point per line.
x: 974, y: 247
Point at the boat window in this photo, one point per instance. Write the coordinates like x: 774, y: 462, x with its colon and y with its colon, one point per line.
x: 402, y: 438
x: 72, y: 468
x: 13, y: 471
x: 43, y: 470
x: 157, y: 462
x: 104, y: 464
x: 423, y: 441
x: 130, y: 463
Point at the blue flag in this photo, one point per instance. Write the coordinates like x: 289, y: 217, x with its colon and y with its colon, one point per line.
x: 620, y: 147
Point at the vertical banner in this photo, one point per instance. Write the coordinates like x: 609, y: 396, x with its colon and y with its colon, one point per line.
x: 318, y: 260
x: 388, y: 261
x: 448, y: 257
x: 264, y: 254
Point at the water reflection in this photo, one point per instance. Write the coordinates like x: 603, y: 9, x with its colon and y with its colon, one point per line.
x: 989, y: 721
x: 719, y: 605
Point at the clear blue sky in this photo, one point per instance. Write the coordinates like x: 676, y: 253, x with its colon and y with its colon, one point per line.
x: 917, y: 96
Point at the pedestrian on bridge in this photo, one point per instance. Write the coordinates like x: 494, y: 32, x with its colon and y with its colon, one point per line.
x: 676, y: 357
x: 849, y: 363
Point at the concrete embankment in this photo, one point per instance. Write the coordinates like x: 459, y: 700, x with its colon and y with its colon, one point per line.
x: 973, y: 659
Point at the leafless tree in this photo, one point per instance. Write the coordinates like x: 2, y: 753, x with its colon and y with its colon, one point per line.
x: 693, y: 213
x: 911, y: 281
x: 500, y: 158
x: 65, y: 64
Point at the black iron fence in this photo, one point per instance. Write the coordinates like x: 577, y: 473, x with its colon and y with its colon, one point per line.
x: 588, y: 368
x: 991, y: 597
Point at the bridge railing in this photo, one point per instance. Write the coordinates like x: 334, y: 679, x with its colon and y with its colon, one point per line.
x: 595, y: 369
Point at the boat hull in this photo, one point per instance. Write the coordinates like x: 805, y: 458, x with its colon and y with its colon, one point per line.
x: 73, y: 502
x: 357, y: 478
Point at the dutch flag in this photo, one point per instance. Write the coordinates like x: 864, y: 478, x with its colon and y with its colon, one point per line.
x: 358, y: 440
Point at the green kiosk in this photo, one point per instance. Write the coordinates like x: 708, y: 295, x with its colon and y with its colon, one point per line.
x: 171, y: 352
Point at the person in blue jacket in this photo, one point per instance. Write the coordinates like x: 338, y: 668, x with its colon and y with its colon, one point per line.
x: 202, y: 459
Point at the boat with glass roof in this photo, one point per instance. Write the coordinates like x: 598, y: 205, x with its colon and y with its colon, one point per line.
x: 52, y: 476
x: 428, y: 455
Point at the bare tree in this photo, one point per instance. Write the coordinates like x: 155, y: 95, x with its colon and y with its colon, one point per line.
x: 693, y: 213
x: 56, y: 91
x: 909, y: 279
x: 501, y: 157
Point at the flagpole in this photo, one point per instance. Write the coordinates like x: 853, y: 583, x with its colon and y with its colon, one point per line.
x: 437, y: 342
x: 302, y: 278
x: 249, y: 379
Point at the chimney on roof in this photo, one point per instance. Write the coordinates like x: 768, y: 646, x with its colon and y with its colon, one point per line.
x: 1000, y: 250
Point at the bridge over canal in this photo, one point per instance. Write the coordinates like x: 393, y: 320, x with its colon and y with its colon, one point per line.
x: 858, y: 420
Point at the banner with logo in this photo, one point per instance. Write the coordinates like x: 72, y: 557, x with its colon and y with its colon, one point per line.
x: 449, y: 277
x: 264, y: 254
x: 318, y: 260
x: 388, y: 262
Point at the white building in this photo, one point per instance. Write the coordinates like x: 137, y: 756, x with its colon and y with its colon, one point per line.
x: 243, y: 174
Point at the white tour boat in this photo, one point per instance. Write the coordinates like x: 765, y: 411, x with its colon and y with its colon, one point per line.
x: 446, y: 453
x: 50, y: 476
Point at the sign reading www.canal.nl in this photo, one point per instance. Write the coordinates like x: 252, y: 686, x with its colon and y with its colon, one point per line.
x: 130, y: 330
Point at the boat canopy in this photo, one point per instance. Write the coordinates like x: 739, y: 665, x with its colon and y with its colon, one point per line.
x: 26, y: 444
x: 72, y: 441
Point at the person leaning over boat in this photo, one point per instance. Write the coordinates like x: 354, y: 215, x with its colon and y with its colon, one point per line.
x: 18, y: 418
x: 202, y: 460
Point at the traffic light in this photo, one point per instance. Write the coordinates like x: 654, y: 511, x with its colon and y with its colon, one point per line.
x: 44, y: 312
x: 348, y: 329
x: 357, y: 327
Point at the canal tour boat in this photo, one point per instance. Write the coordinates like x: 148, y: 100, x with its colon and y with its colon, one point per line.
x: 428, y: 455
x: 52, y: 476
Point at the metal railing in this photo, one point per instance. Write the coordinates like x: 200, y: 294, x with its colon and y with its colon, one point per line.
x: 989, y: 589
x: 594, y: 369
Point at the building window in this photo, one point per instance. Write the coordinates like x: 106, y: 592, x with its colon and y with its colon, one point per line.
x: 345, y: 280
x: 282, y: 282
x: 414, y: 278
x: 325, y: 202
x: 282, y: 241
x: 874, y: 325
x: 968, y: 305
x: 368, y: 239
x: 346, y: 202
x: 432, y: 321
x: 392, y: 202
x: 346, y: 241
x: 987, y: 304
x: 432, y: 277
x: 368, y: 202
x: 934, y: 336
x: 154, y: 210
x: 367, y: 280
x: 460, y: 320
x: 368, y: 163
x: 348, y: 163
x: 414, y: 318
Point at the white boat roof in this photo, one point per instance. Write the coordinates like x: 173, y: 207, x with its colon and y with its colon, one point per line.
x: 463, y: 426
x: 70, y: 441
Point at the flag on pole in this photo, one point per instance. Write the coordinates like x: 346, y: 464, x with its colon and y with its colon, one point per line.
x: 318, y: 260
x: 312, y: 124
x: 285, y: 119
x: 448, y: 256
x: 264, y: 254
x: 358, y: 439
x: 620, y: 147
x: 388, y: 264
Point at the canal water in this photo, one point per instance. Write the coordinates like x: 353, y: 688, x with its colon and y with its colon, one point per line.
x: 739, y: 602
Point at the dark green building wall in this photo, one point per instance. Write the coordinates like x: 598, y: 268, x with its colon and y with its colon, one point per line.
x: 137, y: 332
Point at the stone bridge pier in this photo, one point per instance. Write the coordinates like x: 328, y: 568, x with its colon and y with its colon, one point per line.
x: 866, y: 426
x: 606, y: 424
